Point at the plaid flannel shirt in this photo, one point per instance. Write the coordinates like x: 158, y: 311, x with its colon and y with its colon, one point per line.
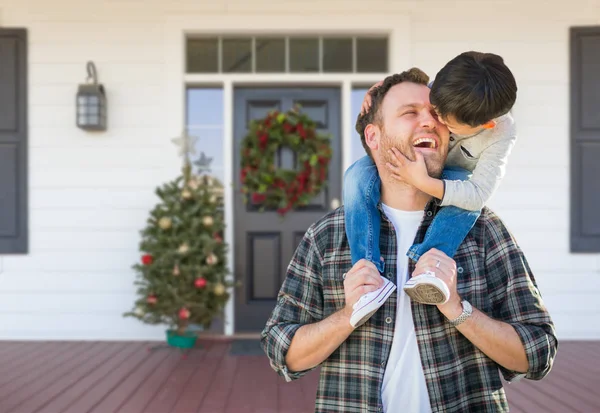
x: 493, y: 276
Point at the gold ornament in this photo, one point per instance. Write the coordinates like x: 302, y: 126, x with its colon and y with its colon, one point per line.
x: 165, y: 223
x: 212, y: 259
x: 176, y: 270
x: 219, y: 289
x: 184, y: 248
x: 139, y: 311
x: 213, y: 199
x: 208, y: 221
x: 185, y: 194
x: 194, y: 184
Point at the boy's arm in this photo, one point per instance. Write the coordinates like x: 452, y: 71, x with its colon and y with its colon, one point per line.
x: 474, y: 193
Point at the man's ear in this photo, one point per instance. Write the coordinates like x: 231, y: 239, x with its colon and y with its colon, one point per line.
x: 372, y: 136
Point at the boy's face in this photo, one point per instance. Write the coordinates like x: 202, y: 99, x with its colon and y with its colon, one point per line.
x: 460, y: 129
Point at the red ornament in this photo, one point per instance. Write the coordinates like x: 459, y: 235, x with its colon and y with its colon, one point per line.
x: 200, y: 282
x: 184, y: 313
x: 152, y: 299
x: 217, y: 237
x: 147, y: 259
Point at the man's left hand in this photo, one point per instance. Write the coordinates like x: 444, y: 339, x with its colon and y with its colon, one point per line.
x: 403, y: 169
x: 445, y: 271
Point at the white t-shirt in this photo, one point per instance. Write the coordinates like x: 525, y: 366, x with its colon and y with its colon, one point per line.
x: 404, y: 388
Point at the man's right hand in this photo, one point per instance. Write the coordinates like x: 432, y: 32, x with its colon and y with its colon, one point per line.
x: 362, y: 278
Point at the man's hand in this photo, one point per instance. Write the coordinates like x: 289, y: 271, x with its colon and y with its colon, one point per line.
x: 314, y: 342
x: 361, y: 279
x: 444, y: 268
x: 366, y: 105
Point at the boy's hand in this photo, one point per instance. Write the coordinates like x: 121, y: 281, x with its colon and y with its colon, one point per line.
x: 366, y: 105
x: 403, y: 169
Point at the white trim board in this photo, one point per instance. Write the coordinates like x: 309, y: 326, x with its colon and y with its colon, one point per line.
x: 395, y: 26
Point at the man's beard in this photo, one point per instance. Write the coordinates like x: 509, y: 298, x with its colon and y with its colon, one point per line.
x: 434, y: 162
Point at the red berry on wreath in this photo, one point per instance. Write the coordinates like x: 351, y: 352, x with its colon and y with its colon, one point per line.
x: 147, y: 259
x: 151, y: 299
x: 200, y: 282
x: 301, y: 131
x: 258, y: 198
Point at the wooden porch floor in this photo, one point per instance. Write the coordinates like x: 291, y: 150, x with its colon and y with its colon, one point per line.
x: 103, y: 377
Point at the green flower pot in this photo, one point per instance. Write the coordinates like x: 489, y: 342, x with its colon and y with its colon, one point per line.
x: 187, y: 340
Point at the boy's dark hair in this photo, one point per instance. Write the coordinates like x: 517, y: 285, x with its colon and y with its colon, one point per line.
x: 475, y: 88
x: 413, y: 75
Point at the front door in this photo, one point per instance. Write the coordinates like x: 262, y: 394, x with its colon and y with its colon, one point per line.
x: 264, y: 244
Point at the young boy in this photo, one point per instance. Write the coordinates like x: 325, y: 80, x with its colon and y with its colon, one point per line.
x: 472, y: 95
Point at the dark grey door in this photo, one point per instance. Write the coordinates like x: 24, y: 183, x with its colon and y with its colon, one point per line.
x: 263, y: 243
x: 13, y: 141
x: 585, y: 139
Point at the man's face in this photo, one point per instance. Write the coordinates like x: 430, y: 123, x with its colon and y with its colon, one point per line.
x: 410, y: 124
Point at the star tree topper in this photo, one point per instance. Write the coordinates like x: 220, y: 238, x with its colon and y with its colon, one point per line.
x: 186, y: 144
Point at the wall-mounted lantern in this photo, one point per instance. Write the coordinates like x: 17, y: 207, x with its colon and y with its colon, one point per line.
x: 91, y: 102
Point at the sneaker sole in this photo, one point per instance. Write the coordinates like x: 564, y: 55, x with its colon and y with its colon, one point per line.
x: 426, y: 294
x: 372, y: 306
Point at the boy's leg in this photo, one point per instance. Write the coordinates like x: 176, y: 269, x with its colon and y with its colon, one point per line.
x: 361, y: 194
x: 450, y: 225
x: 446, y: 232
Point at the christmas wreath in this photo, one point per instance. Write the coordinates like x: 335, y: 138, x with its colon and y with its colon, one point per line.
x: 270, y: 187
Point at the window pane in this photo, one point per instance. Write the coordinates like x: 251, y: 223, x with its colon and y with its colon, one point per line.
x: 237, y: 55
x: 371, y: 55
x: 270, y: 55
x: 356, y: 148
x: 304, y: 54
x: 337, y: 55
x: 210, y: 141
x: 205, y: 121
x: 205, y: 107
x: 202, y: 55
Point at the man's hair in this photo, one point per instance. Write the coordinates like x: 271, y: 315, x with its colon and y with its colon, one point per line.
x: 474, y: 88
x: 373, y: 115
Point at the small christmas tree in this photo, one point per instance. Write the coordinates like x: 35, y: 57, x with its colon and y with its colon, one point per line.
x: 181, y: 277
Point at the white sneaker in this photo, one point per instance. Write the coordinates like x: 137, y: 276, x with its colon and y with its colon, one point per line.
x: 426, y: 288
x: 369, y: 303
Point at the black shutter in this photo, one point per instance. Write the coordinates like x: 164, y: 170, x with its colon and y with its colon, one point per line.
x: 13, y: 142
x: 585, y: 139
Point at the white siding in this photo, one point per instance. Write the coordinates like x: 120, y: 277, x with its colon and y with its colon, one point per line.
x: 90, y: 193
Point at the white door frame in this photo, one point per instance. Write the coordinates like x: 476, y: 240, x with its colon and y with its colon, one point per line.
x: 395, y: 26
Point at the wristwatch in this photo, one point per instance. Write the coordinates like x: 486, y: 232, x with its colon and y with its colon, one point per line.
x: 466, y: 313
